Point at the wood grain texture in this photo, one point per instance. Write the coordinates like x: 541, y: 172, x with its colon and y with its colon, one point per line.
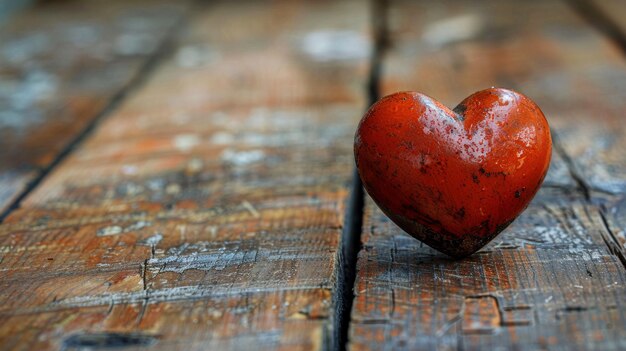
x: 547, y: 282
x: 207, y: 211
x: 553, y: 279
x: 61, y: 64
x: 597, y: 158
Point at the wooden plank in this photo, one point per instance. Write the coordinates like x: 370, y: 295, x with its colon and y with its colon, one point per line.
x: 207, y: 211
x: 540, y: 285
x: 61, y: 64
x: 553, y: 279
x: 595, y: 153
x: 216, y: 322
x: 596, y: 156
x: 615, y: 10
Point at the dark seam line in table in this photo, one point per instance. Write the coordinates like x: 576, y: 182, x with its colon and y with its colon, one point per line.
x: 599, y: 20
x: 343, y: 294
x: 140, y: 77
x: 343, y: 297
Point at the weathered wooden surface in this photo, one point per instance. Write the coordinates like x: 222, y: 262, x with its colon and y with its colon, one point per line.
x: 554, y: 279
x: 61, y: 64
x: 614, y: 10
x: 206, y: 212
x: 598, y: 159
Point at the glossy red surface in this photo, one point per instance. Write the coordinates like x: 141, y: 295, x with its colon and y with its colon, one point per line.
x: 453, y: 179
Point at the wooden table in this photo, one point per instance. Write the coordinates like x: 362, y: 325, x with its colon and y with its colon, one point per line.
x: 179, y: 175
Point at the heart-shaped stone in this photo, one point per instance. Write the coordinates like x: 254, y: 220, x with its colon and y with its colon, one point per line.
x: 453, y: 179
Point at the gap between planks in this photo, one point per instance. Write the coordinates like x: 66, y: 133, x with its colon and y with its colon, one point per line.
x: 142, y: 75
x: 353, y: 222
x: 599, y: 20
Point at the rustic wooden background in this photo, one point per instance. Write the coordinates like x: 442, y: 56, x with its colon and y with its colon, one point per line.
x: 179, y: 175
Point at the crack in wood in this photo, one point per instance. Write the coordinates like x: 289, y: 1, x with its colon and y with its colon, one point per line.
x: 487, y: 306
x: 144, y: 267
x: 612, y: 243
x: 583, y: 187
x: 603, y: 23
x: 351, y: 235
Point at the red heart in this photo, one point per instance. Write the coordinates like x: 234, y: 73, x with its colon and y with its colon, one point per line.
x: 453, y: 179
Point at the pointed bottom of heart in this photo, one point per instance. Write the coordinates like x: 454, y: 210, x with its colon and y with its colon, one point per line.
x: 452, y: 245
